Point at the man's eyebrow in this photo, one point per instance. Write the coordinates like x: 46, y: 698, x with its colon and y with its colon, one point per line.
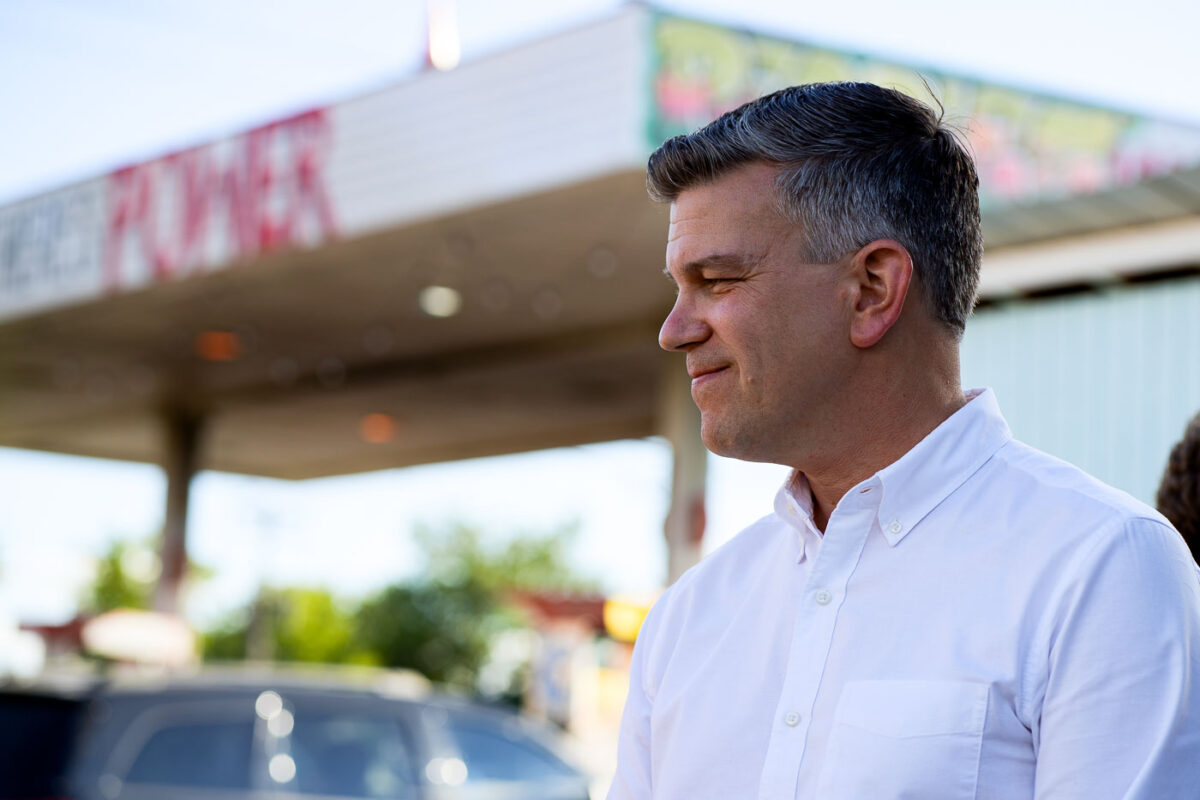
x: 716, y: 260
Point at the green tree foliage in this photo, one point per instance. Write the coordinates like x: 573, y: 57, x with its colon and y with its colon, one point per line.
x: 442, y: 623
x: 441, y: 631
x: 439, y: 623
x: 229, y: 640
x: 116, y: 584
x: 291, y: 624
x: 312, y: 626
x: 126, y: 576
x: 457, y: 555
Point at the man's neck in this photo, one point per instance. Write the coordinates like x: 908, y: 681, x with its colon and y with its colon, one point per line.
x: 900, y: 423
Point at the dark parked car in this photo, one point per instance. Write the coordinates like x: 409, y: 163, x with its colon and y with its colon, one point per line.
x: 260, y: 737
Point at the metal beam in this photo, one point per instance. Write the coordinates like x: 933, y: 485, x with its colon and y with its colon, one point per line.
x: 1095, y: 258
x: 680, y: 424
x: 183, y: 431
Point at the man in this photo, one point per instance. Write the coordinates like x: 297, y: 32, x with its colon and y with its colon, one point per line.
x: 934, y: 611
x: 1178, y: 495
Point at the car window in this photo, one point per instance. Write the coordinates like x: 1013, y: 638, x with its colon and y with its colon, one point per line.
x: 500, y: 752
x: 37, y: 736
x: 349, y: 755
x: 198, y: 754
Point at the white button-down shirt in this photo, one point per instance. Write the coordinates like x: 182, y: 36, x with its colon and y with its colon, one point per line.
x: 980, y: 621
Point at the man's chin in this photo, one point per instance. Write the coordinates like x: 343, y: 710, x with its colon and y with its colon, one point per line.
x: 722, y: 441
x: 740, y: 442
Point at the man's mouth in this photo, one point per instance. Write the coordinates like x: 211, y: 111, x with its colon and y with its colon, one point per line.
x: 705, y: 374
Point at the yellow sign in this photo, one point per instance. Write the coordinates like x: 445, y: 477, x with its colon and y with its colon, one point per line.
x: 623, y: 616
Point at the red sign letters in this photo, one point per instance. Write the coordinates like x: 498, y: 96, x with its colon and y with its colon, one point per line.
x: 203, y: 207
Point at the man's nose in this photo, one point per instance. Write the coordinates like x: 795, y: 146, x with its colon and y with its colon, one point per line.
x: 682, y: 328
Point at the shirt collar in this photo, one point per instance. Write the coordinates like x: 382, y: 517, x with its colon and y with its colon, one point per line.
x: 941, y: 462
x: 914, y: 485
x: 793, y: 504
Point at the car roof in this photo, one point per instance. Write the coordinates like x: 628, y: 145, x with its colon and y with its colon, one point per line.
x: 234, y: 678
x: 249, y: 679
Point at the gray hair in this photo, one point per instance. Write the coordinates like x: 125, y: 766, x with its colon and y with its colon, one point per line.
x: 857, y: 162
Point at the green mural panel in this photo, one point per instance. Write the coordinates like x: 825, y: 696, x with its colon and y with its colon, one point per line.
x: 1027, y: 146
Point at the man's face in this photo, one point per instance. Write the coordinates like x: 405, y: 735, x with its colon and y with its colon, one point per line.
x: 764, y: 331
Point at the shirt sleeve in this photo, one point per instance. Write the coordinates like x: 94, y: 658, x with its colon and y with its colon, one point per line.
x: 1120, y: 715
x: 633, y: 779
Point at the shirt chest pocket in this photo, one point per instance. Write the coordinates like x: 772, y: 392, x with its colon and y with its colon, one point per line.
x: 905, y: 740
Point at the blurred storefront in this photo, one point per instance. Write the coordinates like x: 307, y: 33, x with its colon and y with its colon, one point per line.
x: 466, y: 264
x: 579, y: 667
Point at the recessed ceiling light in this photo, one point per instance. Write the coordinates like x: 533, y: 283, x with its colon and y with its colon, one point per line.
x: 377, y: 428
x: 218, y: 345
x: 601, y: 262
x: 440, y: 301
x: 444, y: 47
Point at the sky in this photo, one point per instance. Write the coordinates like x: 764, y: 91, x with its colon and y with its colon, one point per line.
x: 90, y: 86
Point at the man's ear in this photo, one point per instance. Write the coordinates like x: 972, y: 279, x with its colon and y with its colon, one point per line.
x: 883, y: 272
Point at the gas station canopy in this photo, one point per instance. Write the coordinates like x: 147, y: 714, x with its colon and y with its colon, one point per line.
x: 466, y: 264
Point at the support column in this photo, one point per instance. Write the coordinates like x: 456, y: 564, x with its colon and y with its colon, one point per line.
x: 182, y: 445
x: 679, y: 422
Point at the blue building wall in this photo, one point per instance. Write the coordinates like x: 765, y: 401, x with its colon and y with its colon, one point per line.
x: 1105, y: 380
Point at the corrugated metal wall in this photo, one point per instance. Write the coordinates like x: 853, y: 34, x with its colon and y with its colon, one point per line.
x: 1105, y: 380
